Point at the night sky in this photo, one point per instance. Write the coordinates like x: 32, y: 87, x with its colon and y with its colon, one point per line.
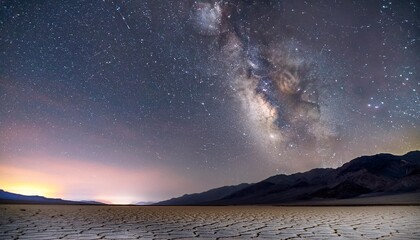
x: 125, y: 101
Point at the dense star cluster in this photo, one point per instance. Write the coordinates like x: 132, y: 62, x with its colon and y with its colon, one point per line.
x: 167, y: 97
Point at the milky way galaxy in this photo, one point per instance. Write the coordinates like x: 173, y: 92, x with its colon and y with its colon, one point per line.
x: 274, y: 78
x: 151, y: 99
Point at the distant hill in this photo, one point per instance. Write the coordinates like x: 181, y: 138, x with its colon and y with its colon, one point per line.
x: 7, y: 197
x: 365, y: 177
x: 144, y: 203
x: 204, y: 197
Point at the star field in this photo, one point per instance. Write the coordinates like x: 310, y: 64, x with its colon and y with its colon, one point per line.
x: 153, y: 99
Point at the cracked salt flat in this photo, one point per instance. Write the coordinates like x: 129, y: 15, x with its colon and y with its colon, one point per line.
x: 243, y: 222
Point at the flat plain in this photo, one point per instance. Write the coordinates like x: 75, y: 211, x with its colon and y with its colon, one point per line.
x: 230, y: 222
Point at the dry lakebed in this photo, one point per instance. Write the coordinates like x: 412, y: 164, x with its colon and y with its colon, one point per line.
x: 226, y: 222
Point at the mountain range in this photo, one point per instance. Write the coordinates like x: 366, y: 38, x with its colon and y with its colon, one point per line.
x: 377, y: 179
x: 8, y: 197
x: 366, y: 180
x: 144, y: 203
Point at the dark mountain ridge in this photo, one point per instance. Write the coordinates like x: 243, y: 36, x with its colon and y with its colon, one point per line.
x: 381, y: 174
x: 199, y: 198
x: 7, y: 197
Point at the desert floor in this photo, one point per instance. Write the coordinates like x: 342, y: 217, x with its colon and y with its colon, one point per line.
x: 244, y: 222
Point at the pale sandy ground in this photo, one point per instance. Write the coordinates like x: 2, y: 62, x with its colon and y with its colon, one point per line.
x: 244, y: 222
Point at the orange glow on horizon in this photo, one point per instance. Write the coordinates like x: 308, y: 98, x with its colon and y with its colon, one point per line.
x: 77, y: 180
x: 30, y: 189
x: 27, y: 182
